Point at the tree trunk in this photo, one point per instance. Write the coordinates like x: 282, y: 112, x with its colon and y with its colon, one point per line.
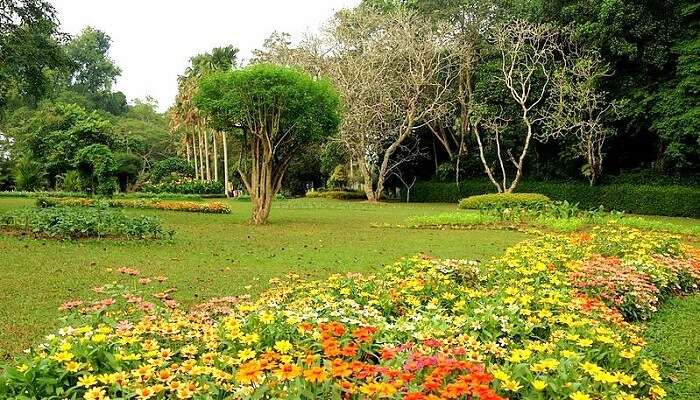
x: 367, y: 185
x: 206, y: 152
x: 187, y: 145
x: 201, y: 156
x: 226, y: 181
x: 196, y: 159
x: 216, y: 157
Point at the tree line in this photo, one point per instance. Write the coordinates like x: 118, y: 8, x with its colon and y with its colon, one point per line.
x: 385, y: 93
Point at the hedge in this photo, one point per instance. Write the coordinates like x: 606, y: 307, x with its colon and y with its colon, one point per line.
x: 677, y: 201
x: 503, y: 200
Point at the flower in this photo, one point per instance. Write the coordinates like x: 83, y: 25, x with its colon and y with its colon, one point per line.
x: 539, y: 385
x: 579, y: 396
x: 87, y: 381
x: 315, y: 375
x: 283, y: 346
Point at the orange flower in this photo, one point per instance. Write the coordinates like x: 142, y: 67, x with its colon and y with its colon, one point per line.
x: 249, y: 372
x: 315, y: 375
x: 287, y: 372
x: 340, y: 368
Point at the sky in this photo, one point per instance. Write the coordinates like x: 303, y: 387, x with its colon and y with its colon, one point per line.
x: 152, y: 40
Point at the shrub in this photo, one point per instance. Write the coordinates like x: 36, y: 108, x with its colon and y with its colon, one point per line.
x: 499, y: 200
x: 337, y: 194
x: 185, y: 187
x: 678, y: 201
x: 28, y: 175
x: 79, y: 222
x: 70, y: 181
x: 172, y: 167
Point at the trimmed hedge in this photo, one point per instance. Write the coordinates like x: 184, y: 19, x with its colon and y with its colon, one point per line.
x: 676, y: 201
x: 503, y: 200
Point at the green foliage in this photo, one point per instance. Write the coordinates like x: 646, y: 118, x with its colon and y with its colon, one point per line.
x: 28, y: 175
x: 30, y: 44
x: 674, y: 201
x: 338, y: 194
x: 79, y: 222
x: 497, y: 200
x: 171, y: 168
x: 97, y: 168
x: 307, y: 109
x: 185, y: 187
x: 55, y: 132
x: 91, y: 68
x: 70, y: 182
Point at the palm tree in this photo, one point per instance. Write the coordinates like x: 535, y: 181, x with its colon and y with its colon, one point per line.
x: 186, y: 115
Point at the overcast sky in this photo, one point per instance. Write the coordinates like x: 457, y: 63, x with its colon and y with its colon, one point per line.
x: 152, y: 40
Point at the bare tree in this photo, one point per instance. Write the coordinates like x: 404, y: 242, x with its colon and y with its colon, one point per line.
x: 528, y: 53
x: 580, y: 107
x: 392, y: 72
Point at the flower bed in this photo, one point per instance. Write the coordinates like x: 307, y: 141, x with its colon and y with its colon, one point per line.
x: 517, y: 327
x: 77, y: 223
x: 170, y: 205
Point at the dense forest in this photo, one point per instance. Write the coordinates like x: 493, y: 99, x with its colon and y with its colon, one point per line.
x: 610, y: 89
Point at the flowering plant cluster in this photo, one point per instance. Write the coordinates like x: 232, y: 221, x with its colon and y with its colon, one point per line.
x: 425, y: 329
x: 185, y: 186
x: 214, y: 207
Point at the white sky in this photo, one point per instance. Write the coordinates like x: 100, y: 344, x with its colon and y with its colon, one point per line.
x: 152, y: 40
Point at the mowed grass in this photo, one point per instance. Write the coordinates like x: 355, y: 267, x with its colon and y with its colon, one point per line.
x: 219, y: 255
x: 674, y: 340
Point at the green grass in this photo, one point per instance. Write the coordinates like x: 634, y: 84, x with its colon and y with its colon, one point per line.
x: 674, y: 340
x: 215, y: 255
x: 474, y: 219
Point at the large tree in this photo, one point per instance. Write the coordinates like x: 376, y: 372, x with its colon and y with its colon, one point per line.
x: 393, y: 71
x: 30, y: 43
x: 275, y: 112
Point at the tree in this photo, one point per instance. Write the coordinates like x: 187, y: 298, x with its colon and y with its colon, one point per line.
x: 392, y: 71
x: 580, y: 107
x: 185, y: 116
x: 54, y: 133
x: 91, y: 68
x: 527, y: 56
x: 279, y: 111
x: 98, y: 168
x: 30, y: 43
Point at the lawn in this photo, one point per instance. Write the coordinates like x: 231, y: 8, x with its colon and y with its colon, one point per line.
x: 215, y: 255
x: 674, y: 340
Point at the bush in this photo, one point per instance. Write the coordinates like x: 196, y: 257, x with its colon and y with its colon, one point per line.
x: 78, y: 222
x: 676, y: 201
x: 28, y: 175
x: 500, y: 200
x: 185, y: 187
x: 171, y: 167
x: 337, y: 194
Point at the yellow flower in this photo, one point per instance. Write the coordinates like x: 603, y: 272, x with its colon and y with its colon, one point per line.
x: 87, y: 381
x: 246, y: 354
x: 62, y: 356
x: 580, y: 396
x: 267, y: 318
x: 96, y: 394
x: 283, y: 346
x: 657, y: 392
x: 539, y: 384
